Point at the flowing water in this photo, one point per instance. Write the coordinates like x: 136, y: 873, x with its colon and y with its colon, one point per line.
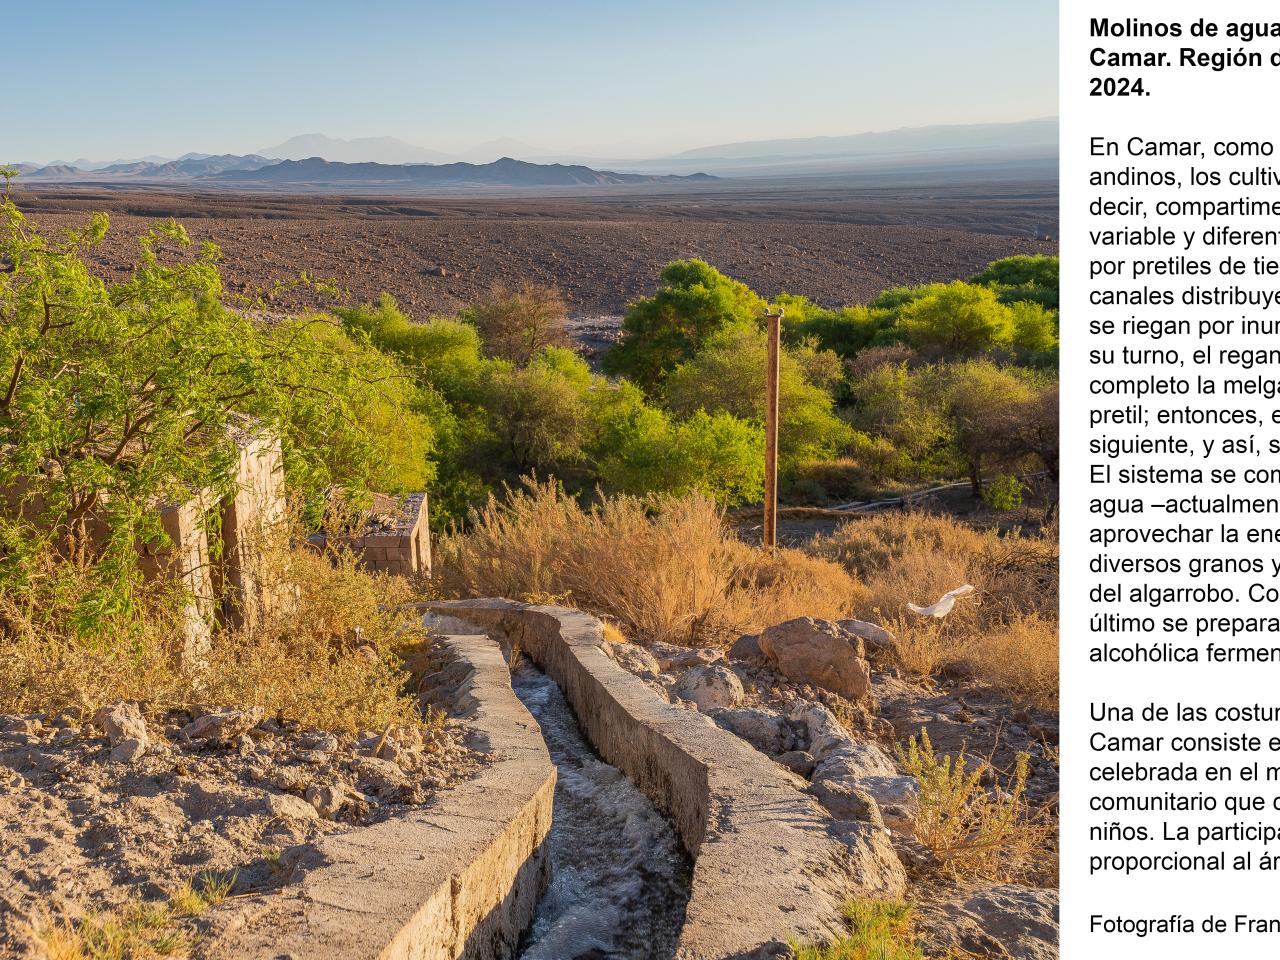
x: 619, y: 876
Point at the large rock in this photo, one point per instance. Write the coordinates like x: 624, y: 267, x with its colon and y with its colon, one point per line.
x: 763, y: 729
x: 818, y: 652
x: 1004, y: 921
x: 710, y: 686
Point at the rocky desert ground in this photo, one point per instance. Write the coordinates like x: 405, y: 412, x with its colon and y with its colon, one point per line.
x: 834, y: 243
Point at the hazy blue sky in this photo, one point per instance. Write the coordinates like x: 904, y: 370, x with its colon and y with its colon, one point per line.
x: 128, y: 78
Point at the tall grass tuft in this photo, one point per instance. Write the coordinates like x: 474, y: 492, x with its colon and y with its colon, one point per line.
x: 332, y: 657
x: 1006, y: 633
x: 665, y: 568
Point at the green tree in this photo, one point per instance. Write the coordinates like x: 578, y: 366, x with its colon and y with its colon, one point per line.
x: 985, y: 405
x: 901, y: 406
x: 117, y: 397
x: 658, y: 333
x: 728, y: 376
x: 537, y: 415
x: 960, y: 320
x: 1023, y: 278
x: 1035, y: 329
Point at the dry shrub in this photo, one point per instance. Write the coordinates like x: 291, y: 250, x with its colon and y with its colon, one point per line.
x: 331, y: 658
x: 516, y: 323
x: 665, y: 568
x: 47, y: 664
x: 1006, y: 632
x: 1022, y: 655
x: 972, y: 831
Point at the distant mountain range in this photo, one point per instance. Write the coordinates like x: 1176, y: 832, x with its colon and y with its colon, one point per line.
x: 505, y: 172
x: 1026, y: 149
x: 315, y: 173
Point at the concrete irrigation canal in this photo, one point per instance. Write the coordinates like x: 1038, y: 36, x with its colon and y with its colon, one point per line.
x: 619, y: 878
x: 609, y: 823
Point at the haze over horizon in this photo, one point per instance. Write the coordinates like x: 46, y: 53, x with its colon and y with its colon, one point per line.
x: 569, y: 79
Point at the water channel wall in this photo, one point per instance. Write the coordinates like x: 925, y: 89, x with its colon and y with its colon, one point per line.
x: 770, y: 865
x: 458, y: 879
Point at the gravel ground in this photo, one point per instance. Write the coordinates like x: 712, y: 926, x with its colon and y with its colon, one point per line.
x: 834, y: 246
x: 85, y: 828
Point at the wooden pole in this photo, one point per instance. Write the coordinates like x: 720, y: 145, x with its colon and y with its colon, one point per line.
x: 774, y: 320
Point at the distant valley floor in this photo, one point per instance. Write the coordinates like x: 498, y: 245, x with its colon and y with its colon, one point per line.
x: 831, y: 243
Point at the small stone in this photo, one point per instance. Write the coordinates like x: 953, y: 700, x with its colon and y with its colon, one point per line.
x: 328, y: 799
x: 288, y: 807
x: 128, y: 750
x: 845, y: 800
x: 224, y: 724
x: 857, y: 760
x: 673, y: 657
x: 633, y: 658
x: 291, y: 779
x: 710, y: 686
x: 873, y: 634
x: 747, y: 647
x: 321, y: 742
x: 393, y: 751
x: 826, y: 734
x: 26, y: 726
x: 121, y: 721
x: 383, y: 777
x: 898, y: 798
x: 763, y: 729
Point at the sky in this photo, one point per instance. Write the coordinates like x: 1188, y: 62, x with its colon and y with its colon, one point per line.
x: 130, y: 78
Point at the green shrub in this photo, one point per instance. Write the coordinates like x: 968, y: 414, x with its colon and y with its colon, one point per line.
x: 959, y: 320
x: 1003, y: 493
x: 715, y: 454
x: 878, y: 930
x: 1023, y: 278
